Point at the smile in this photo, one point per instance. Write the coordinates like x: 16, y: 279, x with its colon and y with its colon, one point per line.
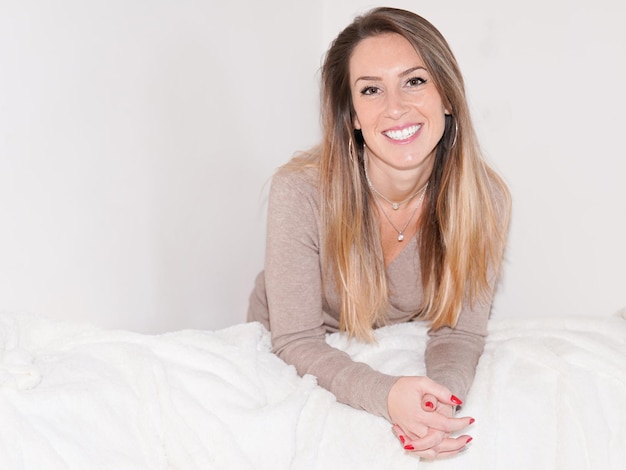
x: 402, y: 134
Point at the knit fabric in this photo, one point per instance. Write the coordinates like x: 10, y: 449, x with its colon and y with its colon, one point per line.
x: 288, y: 298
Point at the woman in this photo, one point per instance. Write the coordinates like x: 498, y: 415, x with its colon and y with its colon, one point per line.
x: 395, y: 217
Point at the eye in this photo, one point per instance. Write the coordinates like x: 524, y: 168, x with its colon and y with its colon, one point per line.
x: 415, y: 81
x: 370, y: 90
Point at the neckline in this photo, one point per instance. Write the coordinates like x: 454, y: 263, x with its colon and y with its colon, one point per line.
x: 409, y: 242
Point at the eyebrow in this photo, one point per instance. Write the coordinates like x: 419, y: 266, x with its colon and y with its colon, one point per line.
x: 403, y: 74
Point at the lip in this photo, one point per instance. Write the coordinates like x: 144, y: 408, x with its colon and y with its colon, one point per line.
x: 403, y: 128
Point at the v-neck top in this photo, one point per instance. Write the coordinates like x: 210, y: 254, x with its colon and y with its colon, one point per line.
x: 291, y: 301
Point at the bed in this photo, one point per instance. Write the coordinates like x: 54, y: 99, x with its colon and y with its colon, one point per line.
x: 549, y: 393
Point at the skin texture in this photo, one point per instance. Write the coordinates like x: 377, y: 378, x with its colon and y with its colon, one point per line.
x: 392, y: 90
x: 401, y: 115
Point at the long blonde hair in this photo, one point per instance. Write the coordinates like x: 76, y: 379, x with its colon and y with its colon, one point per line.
x: 465, y: 216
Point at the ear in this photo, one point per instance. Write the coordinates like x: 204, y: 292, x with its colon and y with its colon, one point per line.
x: 356, y: 123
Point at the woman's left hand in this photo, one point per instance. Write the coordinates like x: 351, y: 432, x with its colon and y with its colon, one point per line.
x: 435, y: 444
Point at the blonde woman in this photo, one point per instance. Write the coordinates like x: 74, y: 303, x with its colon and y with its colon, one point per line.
x: 395, y: 217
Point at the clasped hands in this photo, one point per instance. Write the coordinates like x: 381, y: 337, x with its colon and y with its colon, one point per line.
x: 422, y: 411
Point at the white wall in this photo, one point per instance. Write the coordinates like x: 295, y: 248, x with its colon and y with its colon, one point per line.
x: 135, y: 141
x: 136, y: 138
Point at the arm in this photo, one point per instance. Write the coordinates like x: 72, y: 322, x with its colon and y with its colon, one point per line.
x: 451, y: 358
x: 452, y: 354
x: 293, y: 285
x: 294, y: 294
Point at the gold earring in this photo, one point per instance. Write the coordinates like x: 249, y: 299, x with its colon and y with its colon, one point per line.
x: 456, y: 132
x: 351, y: 150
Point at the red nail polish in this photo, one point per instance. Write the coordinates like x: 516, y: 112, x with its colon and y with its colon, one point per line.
x: 429, y: 404
x: 409, y: 447
x: 455, y: 400
x: 401, y: 438
x: 469, y: 439
x: 472, y: 420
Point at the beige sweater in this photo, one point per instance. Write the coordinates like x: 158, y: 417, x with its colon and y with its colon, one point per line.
x: 288, y: 300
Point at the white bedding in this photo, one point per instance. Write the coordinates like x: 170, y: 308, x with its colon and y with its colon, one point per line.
x: 549, y: 394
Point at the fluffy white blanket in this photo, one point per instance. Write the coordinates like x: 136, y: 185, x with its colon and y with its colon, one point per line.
x: 549, y: 394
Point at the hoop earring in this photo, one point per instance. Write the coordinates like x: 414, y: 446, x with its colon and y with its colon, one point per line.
x: 351, y: 150
x: 456, y: 132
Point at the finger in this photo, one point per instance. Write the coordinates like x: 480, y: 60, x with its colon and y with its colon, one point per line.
x: 442, y: 393
x: 429, y: 402
x: 431, y: 440
x: 404, y: 436
x: 446, y: 448
x: 400, y: 434
x: 432, y: 454
x: 443, y: 423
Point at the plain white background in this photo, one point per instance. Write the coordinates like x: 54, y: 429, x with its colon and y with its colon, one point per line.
x: 137, y: 139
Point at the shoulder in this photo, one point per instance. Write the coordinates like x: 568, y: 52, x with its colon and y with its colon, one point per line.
x: 293, y: 205
x: 296, y: 176
x: 295, y: 179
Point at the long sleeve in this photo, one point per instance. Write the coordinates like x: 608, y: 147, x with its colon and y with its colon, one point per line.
x: 452, y: 354
x: 298, y: 319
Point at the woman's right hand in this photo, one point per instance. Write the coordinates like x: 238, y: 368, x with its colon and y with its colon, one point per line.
x: 426, y: 431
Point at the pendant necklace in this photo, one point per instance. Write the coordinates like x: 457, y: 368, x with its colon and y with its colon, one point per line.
x: 394, y: 205
x: 419, y: 203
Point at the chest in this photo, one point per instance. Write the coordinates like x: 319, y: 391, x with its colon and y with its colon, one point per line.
x: 397, y: 230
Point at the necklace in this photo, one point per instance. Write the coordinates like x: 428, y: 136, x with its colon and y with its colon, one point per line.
x: 394, y: 205
x: 419, y: 203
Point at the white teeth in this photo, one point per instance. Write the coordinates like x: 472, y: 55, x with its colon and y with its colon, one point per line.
x: 402, y: 134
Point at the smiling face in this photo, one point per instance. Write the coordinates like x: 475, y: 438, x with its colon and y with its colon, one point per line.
x: 397, y: 106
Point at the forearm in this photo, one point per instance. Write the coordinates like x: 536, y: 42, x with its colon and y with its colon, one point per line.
x: 451, y: 359
x: 353, y: 383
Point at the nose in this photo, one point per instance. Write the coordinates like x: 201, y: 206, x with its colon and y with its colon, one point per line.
x: 396, y: 104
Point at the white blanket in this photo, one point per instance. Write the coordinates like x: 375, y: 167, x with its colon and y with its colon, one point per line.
x: 548, y: 394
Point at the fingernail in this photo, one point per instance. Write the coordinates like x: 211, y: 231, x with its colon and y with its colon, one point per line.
x: 469, y: 439
x: 409, y: 447
x: 472, y: 420
x: 429, y: 404
x: 401, y: 438
x: 455, y: 400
